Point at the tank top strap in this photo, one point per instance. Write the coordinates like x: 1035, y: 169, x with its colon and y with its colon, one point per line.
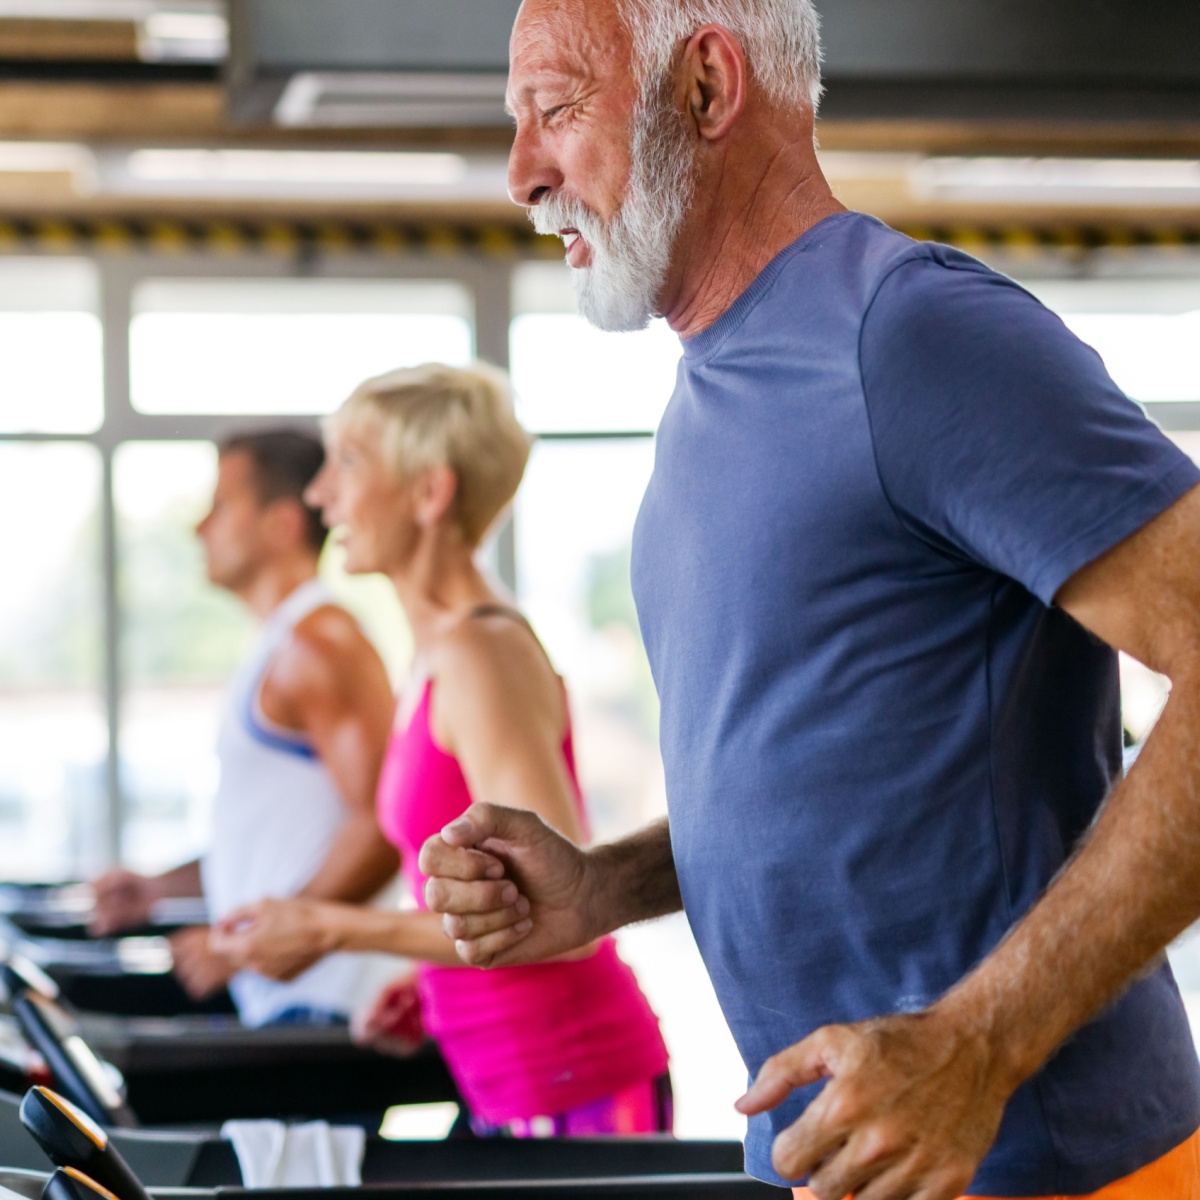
x: 247, y: 684
x: 277, y: 628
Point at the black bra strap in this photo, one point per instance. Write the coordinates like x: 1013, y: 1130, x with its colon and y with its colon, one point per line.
x: 503, y: 610
x: 498, y: 610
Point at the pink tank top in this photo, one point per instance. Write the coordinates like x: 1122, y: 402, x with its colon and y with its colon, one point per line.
x: 527, y: 1041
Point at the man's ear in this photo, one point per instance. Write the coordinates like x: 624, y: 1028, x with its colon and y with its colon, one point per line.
x: 713, y: 80
x: 286, y: 520
x: 434, y: 492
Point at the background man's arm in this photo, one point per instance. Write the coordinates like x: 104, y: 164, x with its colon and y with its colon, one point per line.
x: 329, y: 683
x: 574, y: 895
x: 914, y: 1102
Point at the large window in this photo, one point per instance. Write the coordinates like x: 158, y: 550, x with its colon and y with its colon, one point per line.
x: 50, y: 372
x: 52, y: 718
x: 52, y: 721
x: 284, y: 346
x: 180, y: 640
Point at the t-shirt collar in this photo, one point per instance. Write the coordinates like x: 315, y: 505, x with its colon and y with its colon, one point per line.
x: 702, y: 344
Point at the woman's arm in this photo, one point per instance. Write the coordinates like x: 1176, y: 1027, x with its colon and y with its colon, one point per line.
x: 282, y: 938
x: 498, y: 707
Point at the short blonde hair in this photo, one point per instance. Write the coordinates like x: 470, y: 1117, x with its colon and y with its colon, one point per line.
x: 460, y: 417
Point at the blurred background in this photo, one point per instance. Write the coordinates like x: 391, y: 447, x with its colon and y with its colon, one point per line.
x: 215, y: 215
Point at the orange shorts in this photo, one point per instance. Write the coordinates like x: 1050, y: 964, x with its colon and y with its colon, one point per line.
x: 1175, y: 1176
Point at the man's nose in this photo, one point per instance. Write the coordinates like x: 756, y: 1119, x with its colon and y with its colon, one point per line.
x: 532, y: 173
x: 315, y: 495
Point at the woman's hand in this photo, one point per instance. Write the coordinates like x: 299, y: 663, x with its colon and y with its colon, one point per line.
x: 392, y: 1024
x: 277, y: 938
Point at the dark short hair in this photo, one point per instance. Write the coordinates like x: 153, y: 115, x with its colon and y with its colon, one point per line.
x: 283, y: 463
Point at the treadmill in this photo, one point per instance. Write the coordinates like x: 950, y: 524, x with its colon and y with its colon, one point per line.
x: 129, y: 975
x: 29, y: 1186
x: 201, y: 1158
x: 64, y: 910
x: 189, y: 1069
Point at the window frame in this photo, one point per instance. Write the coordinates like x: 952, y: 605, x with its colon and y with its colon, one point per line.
x: 489, y: 282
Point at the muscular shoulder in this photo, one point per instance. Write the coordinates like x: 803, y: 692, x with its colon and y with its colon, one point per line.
x: 326, y: 663
x: 327, y: 642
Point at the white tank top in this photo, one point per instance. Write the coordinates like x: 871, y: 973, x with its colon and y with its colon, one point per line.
x: 275, y: 815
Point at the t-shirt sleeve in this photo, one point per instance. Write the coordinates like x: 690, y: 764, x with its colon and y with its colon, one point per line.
x: 998, y: 434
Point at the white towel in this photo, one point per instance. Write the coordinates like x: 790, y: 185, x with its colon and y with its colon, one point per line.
x: 313, y: 1154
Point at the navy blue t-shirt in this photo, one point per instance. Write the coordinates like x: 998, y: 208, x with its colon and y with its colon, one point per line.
x: 881, y: 738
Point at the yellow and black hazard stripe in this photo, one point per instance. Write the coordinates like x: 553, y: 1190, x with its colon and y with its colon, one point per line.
x: 495, y: 241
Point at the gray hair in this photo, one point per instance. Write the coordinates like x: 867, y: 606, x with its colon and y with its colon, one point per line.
x: 781, y: 40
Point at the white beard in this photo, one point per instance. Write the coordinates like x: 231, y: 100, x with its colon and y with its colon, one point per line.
x: 631, y: 252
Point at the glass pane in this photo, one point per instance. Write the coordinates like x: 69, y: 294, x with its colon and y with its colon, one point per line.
x: 180, y: 640
x: 53, y: 734
x: 574, y: 515
x: 569, y: 376
x: 51, y: 372
x: 1145, y: 330
x: 284, y: 346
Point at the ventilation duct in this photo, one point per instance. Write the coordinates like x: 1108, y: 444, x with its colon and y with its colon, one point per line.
x: 369, y: 63
x: 443, y: 62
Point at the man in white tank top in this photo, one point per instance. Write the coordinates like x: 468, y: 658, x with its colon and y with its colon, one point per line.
x: 300, y: 747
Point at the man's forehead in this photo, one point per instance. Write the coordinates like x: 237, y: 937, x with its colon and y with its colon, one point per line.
x: 567, y: 37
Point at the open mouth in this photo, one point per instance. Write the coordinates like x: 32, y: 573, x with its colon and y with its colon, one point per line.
x: 578, y: 252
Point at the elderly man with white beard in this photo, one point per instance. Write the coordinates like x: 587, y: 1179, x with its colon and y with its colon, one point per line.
x: 900, y: 521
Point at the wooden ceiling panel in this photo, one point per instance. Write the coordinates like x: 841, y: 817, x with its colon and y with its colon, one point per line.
x: 110, y: 111
x: 90, y: 41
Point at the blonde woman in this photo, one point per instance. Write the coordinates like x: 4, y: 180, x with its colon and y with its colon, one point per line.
x: 420, y: 464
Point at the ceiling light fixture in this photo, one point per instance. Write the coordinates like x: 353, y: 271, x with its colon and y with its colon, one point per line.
x: 297, y: 167
x: 167, y: 30
x: 50, y: 158
x: 1058, y: 181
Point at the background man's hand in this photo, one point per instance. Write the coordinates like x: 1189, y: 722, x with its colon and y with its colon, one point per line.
x: 392, y: 1024
x: 511, y: 889
x: 911, y: 1106
x: 123, y: 900
x: 200, y: 970
x: 277, y: 938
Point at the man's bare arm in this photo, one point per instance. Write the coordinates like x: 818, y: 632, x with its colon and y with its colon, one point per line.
x: 571, y: 896
x: 329, y: 684
x: 635, y: 877
x: 914, y: 1102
